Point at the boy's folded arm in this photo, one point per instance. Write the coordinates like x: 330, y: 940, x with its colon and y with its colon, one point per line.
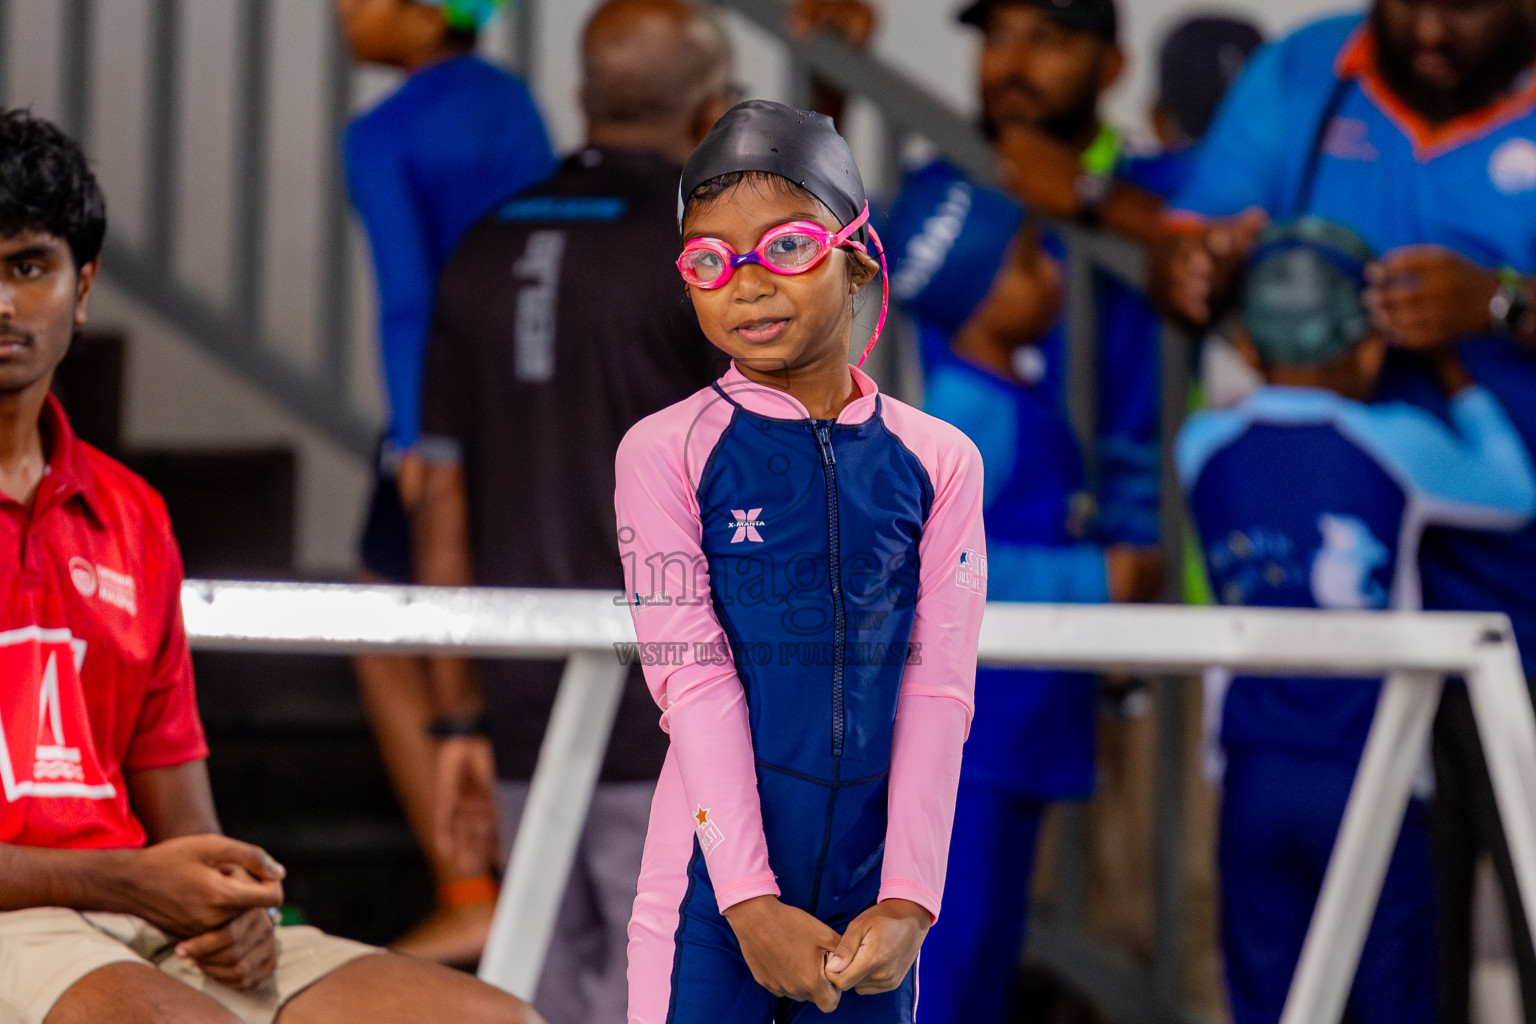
x: 692, y: 677
x: 1477, y: 475
x: 938, y: 685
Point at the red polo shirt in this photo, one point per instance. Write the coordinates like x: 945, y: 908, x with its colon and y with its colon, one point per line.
x: 95, y: 676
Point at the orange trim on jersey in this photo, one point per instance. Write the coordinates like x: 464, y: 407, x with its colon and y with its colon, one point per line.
x: 1358, y: 60
x: 1183, y: 222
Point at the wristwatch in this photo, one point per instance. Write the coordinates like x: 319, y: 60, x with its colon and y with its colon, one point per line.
x: 1509, y: 311
x: 449, y: 726
x: 1092, y: 191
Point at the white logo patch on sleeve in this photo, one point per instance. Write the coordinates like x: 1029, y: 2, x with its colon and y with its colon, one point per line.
x: 710, y: 835
x: 971, y: 573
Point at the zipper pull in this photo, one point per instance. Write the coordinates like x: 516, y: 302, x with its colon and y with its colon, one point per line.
x: 824, y: 436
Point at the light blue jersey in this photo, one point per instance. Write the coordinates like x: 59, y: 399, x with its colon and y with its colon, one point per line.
x: 1304, y: 499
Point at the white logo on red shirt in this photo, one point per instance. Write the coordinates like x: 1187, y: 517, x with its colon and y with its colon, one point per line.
x: 118, y: 588
x: 115, y: 588
x: 84, y: 576
x: 1512, y: 168
x: 51, y: 737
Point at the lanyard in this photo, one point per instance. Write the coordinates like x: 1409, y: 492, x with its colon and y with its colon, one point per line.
x: 1103, y: 153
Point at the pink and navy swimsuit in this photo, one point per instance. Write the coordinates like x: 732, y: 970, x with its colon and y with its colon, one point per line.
x: 807, y: 594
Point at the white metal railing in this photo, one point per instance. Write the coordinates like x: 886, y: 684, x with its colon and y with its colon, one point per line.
x: 1414, y: 651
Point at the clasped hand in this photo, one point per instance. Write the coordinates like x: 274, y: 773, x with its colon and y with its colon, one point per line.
x: 794, y: 955
x: 211, y: 893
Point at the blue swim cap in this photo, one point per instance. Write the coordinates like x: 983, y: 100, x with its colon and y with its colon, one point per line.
x: 1303, y: 299
x: 468, y: 15
x: 948, y: 239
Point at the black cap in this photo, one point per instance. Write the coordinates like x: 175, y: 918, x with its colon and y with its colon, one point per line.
x: 1200, y: 60
x: 1096, y: 16
x: 761, y: 135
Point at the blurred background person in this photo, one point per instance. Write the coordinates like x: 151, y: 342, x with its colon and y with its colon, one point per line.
x: 458, y: 134
x: 1199, y: 60
x: 1307, y: 496
x: 528, y: 363
x: 998, y: 293
x: 1411, y: 124
x: 1044, y: 67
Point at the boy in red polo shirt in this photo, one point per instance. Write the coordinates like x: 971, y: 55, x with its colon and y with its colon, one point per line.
x: 119, y: 900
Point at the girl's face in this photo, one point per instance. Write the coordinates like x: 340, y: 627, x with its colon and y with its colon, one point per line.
x: 769, y: 321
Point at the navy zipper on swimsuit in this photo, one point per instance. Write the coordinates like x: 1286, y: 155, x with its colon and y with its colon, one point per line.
x: 823, y: 431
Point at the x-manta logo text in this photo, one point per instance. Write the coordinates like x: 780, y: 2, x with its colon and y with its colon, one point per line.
x: 746, y: 524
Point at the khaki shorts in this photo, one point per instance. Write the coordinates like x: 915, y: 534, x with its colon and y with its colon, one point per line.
x: 43, y: 952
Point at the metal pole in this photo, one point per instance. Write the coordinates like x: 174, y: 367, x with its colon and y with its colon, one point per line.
x: 1168, y: 847
x: 1174, y: 374
x: 525, y: 44
x: 1501, y: 704
x: 164, y: 131
x: 336, y: 304
x: 1083, y: 358
x: 77, y: 69
x: 248, y: 262
x: 569, y: 761
x: 1394, y: 751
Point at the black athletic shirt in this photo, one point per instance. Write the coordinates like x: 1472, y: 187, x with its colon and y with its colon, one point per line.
x: 560, y: 322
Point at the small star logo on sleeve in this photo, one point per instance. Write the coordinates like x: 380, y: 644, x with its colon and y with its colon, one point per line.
x: 709, y: 833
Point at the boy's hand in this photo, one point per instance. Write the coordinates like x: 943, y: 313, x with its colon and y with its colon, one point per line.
x: 195, y: 884
x: 1425, y: 297
x: 1194, y: 270
x: 786, y: 949
x: 240, y: 955
x: 879, y: 948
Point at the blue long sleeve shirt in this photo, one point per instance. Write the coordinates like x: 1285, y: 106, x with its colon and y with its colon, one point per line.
x: 421, y: 167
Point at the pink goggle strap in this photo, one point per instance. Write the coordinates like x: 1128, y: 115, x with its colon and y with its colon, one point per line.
x: 885, y: 292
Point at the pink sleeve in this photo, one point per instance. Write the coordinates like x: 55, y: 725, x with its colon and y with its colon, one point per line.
x: 692, y: 677
x: 933, y: 713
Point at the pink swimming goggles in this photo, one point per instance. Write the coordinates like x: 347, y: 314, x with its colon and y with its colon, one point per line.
x: 788, y: 249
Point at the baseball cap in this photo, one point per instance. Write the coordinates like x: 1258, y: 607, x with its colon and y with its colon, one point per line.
x: 1096, y: 16
x: 948, y: 237
x: 468, y: 15
x: 1199, y: 61
x: 1303, y: 299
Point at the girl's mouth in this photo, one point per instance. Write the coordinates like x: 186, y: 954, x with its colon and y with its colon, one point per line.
x: 760, y: 331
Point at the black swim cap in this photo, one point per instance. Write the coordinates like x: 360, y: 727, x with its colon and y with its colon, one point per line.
x: 760, y: 135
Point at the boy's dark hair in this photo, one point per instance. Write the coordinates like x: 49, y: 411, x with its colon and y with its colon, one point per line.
x: 714, y: 188
x: 46, y: 184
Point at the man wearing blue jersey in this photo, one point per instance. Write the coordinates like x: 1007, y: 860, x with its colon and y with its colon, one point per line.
x: 1414, y: 125
x: 421, y: 167
x: 1305, y: 496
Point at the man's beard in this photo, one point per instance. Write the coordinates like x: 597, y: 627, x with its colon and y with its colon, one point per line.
x: 1482, y: 80
x: 1067, y: 125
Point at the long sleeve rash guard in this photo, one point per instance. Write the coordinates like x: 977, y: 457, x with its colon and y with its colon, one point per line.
x: 808, y: 595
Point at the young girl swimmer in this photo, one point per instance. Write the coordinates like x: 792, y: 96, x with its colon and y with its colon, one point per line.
x: 806, y: 558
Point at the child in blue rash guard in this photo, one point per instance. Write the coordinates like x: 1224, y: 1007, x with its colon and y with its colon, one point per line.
x: 421, y: 167
x: 1304, y: 496
x: 1034, y: 743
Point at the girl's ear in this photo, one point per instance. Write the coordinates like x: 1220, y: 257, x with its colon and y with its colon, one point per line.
x: 862, y: 269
